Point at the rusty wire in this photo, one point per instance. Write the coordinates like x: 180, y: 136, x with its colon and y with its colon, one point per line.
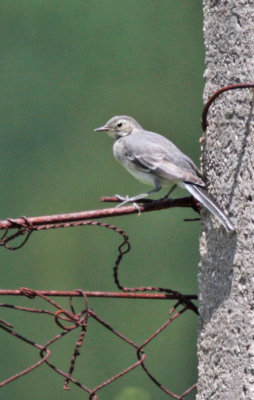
x: 80, y: 321
x: 67, y: 319
x: 217, y: 93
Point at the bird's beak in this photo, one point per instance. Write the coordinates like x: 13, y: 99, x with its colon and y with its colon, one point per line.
x: 101, y: 129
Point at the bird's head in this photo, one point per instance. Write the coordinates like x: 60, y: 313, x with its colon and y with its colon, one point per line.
x: 119, y: 126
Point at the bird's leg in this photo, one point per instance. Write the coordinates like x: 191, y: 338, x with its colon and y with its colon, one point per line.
x: 128, y: 199
x: 169, y: 193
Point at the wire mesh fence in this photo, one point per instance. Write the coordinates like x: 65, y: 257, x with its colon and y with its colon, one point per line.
x: 69, y: 320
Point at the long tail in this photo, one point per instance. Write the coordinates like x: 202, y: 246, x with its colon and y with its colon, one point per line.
x: 207, y: 201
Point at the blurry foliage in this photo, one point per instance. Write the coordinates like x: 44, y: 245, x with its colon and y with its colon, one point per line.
x: 66, y: 68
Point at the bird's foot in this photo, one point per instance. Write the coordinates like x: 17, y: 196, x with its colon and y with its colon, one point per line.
x: 127, y: 199
x: 123, y: 199
x: 137, y: 207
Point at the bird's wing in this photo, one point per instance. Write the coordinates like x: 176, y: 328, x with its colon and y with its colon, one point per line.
x: 157, y: 159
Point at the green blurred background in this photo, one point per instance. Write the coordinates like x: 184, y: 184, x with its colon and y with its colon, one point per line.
x: 66, y: 68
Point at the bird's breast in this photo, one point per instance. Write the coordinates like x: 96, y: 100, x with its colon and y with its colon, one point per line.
x: 125, y: 159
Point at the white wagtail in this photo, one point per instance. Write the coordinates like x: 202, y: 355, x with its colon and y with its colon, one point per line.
x: 154, y: 160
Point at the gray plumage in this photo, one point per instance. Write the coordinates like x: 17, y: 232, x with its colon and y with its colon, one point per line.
x: 154, y: 160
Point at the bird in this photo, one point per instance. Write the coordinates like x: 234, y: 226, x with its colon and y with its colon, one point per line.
x: 155, y: 160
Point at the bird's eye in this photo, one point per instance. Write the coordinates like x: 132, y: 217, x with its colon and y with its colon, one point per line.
x: 119, y: 124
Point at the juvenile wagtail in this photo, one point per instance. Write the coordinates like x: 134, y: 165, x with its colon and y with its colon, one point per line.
x: 154, y: 160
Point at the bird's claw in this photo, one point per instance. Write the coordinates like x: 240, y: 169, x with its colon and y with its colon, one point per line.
x: 137, y: 208
x: 127, y: 199
x: 123, y: 199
